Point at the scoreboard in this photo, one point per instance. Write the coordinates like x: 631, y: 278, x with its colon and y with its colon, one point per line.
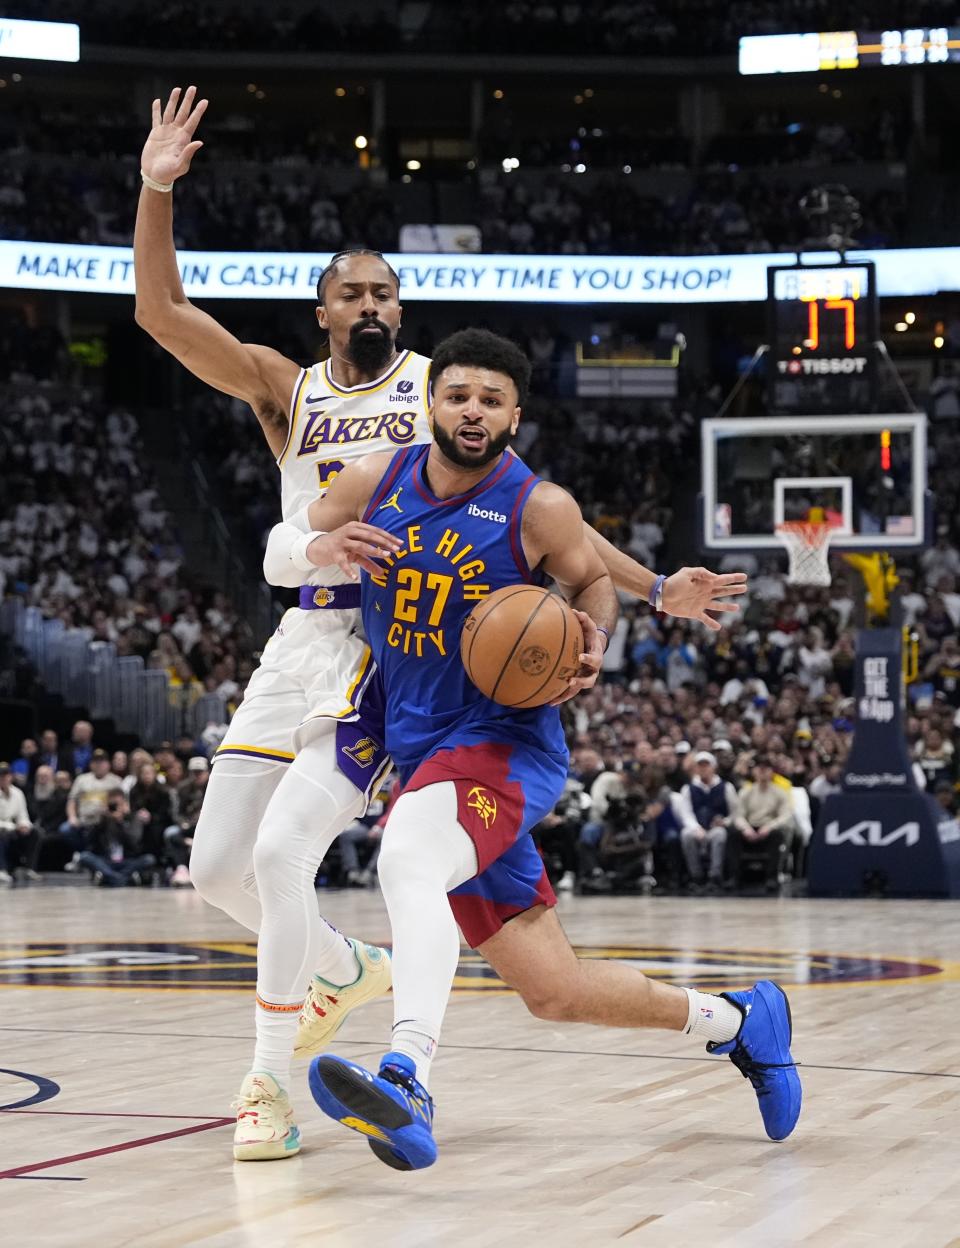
x: 817, y: 51
x: 823, y: 327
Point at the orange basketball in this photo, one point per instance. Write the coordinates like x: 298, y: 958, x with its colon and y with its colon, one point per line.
x: 521, y: 645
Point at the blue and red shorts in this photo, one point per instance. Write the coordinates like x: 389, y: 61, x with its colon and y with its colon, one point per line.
x: 503, y: 790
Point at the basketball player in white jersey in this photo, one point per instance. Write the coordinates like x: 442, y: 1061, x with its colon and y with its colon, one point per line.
x: 286, y: 782
x: 258, y: 868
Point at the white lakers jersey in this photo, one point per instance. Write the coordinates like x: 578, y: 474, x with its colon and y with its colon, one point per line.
x: 331, y: 425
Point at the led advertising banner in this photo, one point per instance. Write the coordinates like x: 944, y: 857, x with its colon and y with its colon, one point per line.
x: 39, y: 41
x: 848, y: 49
x: 470, y: 279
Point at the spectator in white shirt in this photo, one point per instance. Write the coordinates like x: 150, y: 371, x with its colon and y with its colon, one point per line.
x: 88, y: 801
x: 18, y: 837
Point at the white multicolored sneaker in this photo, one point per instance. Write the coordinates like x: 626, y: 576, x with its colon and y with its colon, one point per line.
x: 265, y: 1128
x: 326, y: 1007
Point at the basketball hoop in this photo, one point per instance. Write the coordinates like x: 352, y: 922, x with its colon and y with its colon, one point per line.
x: 808, y: 545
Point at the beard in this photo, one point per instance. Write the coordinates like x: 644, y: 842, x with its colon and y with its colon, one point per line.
x: 370, y: 352
x: 451, y: 448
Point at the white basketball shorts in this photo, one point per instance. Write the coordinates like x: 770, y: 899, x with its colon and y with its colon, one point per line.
x: 313, y: 669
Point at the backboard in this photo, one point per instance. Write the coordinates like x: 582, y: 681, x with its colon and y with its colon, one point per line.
x: 868, y: 474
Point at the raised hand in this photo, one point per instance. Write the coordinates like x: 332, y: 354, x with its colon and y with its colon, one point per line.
x: 692, y: 593
x: 170, y: 145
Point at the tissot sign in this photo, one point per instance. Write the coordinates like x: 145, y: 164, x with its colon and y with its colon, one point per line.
x: 468, y: 278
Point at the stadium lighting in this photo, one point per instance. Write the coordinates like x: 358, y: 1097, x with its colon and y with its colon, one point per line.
x: 579, y: 168
x: 901, y: 327
x: 340, y: 92
x: 498, y: 94
x: 910, y: 317
x: 413, y: 165
x: 510, y: 163
x: 360, y: 142
x: 938, y: 341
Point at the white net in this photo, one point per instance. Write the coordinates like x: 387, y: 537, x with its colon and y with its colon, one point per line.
x: 808, y: 546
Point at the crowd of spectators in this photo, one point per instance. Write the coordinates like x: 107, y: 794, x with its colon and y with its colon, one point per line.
x: 715, y: 748
x: 86, y: 538
x: 96, y: 204
x: 538, y: 27
x: 123, y: 818
x: 775, y: 137
x: 721, y: 212
x: 718, y: 748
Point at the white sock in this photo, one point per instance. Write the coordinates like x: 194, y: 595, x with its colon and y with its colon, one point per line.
x: 713, y: 1018
x: 276, y: 1023
x: 340, y: 964
x: 411, y: 1038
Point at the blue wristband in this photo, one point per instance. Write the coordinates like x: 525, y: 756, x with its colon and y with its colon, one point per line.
x: 606, y: 633
x: 656, y: 593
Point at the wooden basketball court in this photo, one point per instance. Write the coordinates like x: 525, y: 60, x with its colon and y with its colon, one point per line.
x: 127, y: 1021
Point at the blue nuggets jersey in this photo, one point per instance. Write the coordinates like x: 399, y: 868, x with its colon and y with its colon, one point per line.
x: 455, y: 552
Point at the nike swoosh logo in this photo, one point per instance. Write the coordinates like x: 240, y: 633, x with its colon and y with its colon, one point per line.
x: 314, y: 398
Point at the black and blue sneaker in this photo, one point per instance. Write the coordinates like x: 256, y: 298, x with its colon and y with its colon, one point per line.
x: 390, y: 1108
x: 761, y: 1052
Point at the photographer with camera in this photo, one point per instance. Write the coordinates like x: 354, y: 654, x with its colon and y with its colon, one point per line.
x: 710, y: 807
x: 557, y: 835
x: 623, y: 856
x: 113, y: 855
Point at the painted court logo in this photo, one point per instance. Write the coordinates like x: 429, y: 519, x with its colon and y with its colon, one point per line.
x: 483, y: 804
x: 205, y: 966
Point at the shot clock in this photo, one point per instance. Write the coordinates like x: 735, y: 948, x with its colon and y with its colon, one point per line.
x: 823, y: 327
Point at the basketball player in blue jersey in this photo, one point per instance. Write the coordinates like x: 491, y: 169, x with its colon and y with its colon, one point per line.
x: 283, y: 785
x: 469, y: 518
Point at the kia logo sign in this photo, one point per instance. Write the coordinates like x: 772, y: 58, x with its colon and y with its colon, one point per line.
x: 870, y: 832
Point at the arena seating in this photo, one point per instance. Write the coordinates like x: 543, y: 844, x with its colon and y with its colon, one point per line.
x: 95, y: 588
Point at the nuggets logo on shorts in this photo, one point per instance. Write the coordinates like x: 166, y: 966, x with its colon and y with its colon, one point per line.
x: 324, y: 597
x: 485, y: 806
x: 364, y: 753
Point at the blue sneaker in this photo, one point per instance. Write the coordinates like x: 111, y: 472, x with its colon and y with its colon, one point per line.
x: 390, y: 1108
x: 761, y: 1052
